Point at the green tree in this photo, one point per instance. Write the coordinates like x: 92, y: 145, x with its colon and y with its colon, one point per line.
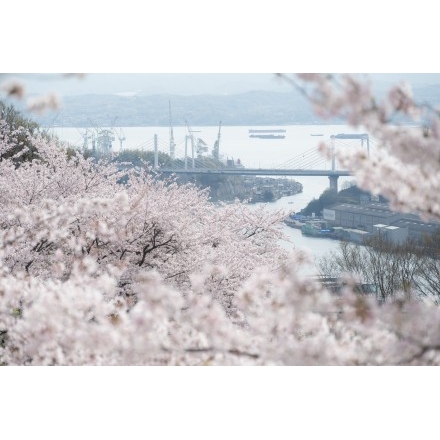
x: 268, y: 196
x: 22, y: 129
x: 137, y: 157
x: 327, y: 198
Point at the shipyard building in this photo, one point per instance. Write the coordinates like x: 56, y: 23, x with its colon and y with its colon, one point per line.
x: 377, y: 218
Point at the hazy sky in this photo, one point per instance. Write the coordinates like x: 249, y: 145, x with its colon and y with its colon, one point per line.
x: 183, y: 83
x: 151, y: 83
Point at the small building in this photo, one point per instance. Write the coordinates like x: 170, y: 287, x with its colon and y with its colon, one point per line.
x: 357, y: 235
x: 363, y: 216
x: 417, y: 228
x: 392, y: 233
x: 374, y: 216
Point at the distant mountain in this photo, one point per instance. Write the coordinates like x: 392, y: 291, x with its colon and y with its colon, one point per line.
x: 152, y: 83
x: 250, y: 108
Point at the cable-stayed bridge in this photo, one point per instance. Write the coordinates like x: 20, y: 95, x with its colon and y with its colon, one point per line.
x: 190, y: 156
x: 306, y: 164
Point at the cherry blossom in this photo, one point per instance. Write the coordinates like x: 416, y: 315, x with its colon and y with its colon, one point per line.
x: 105, y: 265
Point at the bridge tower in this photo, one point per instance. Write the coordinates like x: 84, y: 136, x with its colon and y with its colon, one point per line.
x: 333, y: 182
x: 362, y: 137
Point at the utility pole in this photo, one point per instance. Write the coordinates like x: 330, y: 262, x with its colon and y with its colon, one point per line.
x: 186, y: 152
x: 172, y: 143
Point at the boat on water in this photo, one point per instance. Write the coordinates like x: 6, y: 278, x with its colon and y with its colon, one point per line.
x: 316, y: 229
x: 267, y: 130
x: 267, y: 133
x: 268, y: 136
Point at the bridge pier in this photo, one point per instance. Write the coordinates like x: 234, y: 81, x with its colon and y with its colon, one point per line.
x: 333, y: 182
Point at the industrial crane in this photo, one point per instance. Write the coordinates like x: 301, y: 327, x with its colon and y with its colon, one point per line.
x: 102, y: 141
x: 86, y: 135
x: 190, y: 136
x: 118, y: 132
x: 199, y: 144
x: 216, y: 149
x: 121, y: 136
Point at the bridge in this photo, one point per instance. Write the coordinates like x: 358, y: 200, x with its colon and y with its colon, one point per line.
x: 193, y: 161
x: 300, y: 166
x: 333, y: 175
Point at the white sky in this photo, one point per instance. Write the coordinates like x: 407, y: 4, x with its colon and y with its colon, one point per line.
x: 226, y: 36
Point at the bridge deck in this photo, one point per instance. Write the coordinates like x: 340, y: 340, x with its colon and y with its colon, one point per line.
x: 257, y: 172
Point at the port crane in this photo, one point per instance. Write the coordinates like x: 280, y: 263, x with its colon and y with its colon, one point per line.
x: 118, y: 132
x: 190, y: 137
x: 198, y: 145
x: 102, y: 140
x: 86, y: 135
x: 121, y: 136
x: 216, y: 149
